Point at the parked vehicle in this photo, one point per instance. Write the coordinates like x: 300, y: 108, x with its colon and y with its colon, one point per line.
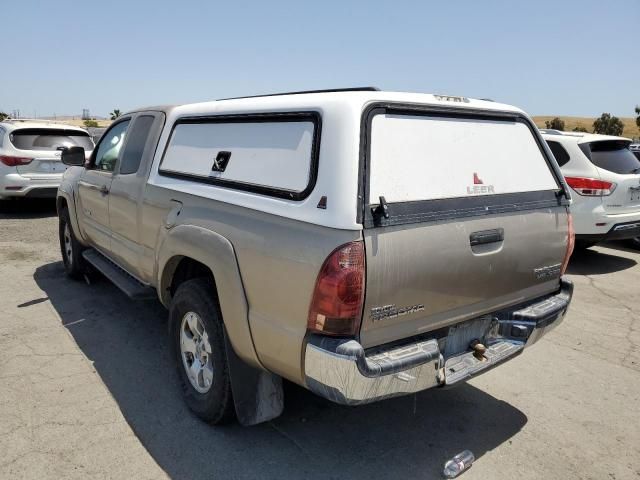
x: 605, y: 177
x: 635, y: 149
x: 30, y: 151
x: 362, y: 244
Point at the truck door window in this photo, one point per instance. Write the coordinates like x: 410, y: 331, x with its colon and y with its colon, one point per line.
x: 109, y: 147
x: 132, y: 154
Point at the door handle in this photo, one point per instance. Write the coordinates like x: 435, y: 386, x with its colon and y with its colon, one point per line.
x: 486, y: 236
x: 104, y: 190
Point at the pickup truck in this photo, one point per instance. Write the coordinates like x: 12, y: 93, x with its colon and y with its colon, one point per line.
x: 359, y: 243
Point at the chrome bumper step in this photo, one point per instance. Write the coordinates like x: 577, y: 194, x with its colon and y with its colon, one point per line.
x: 462, y: 367
x: 340, y: 369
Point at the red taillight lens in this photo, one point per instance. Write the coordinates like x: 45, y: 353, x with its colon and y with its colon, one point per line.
x: 571, y: 243
x: 11, y: 161
x: 336, y: 307
x: 590, y: 186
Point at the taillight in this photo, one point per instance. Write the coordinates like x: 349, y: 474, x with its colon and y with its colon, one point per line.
x: 591, y: 186
x: 571, y: 243
x: 336, y: 306
x: 11, y: 161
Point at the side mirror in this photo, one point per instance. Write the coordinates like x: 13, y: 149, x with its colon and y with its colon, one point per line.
x: 73, y: 156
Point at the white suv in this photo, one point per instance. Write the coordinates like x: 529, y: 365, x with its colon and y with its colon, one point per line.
x: 605, y: 177
x: 30, y: 151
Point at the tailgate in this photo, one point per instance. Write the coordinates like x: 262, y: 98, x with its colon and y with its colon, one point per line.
x: 626, y: 197
x: 43, y: 166
x: 474, y: 221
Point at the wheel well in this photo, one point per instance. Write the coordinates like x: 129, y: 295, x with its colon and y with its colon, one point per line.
x: 188, y: 269
x: 61, y: 203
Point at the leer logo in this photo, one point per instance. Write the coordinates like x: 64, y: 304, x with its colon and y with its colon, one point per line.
x: 479, y: 188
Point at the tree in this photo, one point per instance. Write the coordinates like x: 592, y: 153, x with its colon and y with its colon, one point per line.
x: 3, y: 116
x: 90, y: 123
x: 608, y: 124
x: 580, y: 128
x: 638, y: 116
x: 555, y: 124
x: 115, y: 114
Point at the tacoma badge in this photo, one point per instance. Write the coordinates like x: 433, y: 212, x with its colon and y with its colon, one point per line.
x: 390, y: 311
x: 551, y: 271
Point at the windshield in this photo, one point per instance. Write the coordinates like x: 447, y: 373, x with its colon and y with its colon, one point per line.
x: 615, y: 156
x: 49, y: 139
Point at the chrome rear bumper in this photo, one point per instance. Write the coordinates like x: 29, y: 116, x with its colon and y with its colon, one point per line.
x: 340, y: 369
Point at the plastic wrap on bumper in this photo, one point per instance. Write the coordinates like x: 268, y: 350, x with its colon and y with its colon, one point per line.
x: 334, y: 370
x: 341, y: 371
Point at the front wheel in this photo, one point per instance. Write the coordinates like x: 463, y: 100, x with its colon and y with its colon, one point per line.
x: 197, y: 343
x: 70, y: 248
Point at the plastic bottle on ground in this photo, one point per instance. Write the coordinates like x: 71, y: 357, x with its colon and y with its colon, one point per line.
x: 458, y: 464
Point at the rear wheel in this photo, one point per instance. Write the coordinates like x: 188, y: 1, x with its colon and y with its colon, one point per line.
x: 70, y: 248
x: 198, y: 346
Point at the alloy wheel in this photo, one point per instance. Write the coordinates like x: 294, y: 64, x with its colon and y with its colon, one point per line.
x: 195, y: 350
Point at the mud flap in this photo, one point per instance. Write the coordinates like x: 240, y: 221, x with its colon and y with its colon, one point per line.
x: 257, y: 395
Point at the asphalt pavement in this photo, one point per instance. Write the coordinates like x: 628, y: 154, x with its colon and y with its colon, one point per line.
x: 87, y: 390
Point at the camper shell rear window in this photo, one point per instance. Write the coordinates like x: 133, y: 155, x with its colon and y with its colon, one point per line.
x: 432, y: 164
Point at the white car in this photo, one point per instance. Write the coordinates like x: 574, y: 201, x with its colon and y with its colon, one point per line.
x: 604, y: 176
x: 30, y: 152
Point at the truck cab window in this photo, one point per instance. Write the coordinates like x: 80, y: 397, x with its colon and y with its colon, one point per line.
x: 109, y: 147
x: 132, y: 154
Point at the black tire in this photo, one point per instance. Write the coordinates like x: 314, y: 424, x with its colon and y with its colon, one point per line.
x: 634, y: 243
x: 214, y: 406
x: 73, y: 261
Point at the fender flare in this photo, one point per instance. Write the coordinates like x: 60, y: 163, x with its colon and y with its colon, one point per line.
x: 217, y: 253
x: 69, y: 199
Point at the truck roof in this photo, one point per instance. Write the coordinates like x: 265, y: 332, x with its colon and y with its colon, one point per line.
x: 153, y: 108
x: 356, y: 98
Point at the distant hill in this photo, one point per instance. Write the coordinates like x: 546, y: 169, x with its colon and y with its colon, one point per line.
x: 77, y: 120
x: 630, y: 128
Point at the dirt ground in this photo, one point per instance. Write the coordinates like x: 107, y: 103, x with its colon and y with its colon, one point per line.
x: 87, y: 390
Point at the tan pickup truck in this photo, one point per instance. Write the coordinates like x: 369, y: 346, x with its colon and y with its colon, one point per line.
x: 362, y: 244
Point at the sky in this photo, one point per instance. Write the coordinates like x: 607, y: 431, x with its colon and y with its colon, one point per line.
x: 559, y: 57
